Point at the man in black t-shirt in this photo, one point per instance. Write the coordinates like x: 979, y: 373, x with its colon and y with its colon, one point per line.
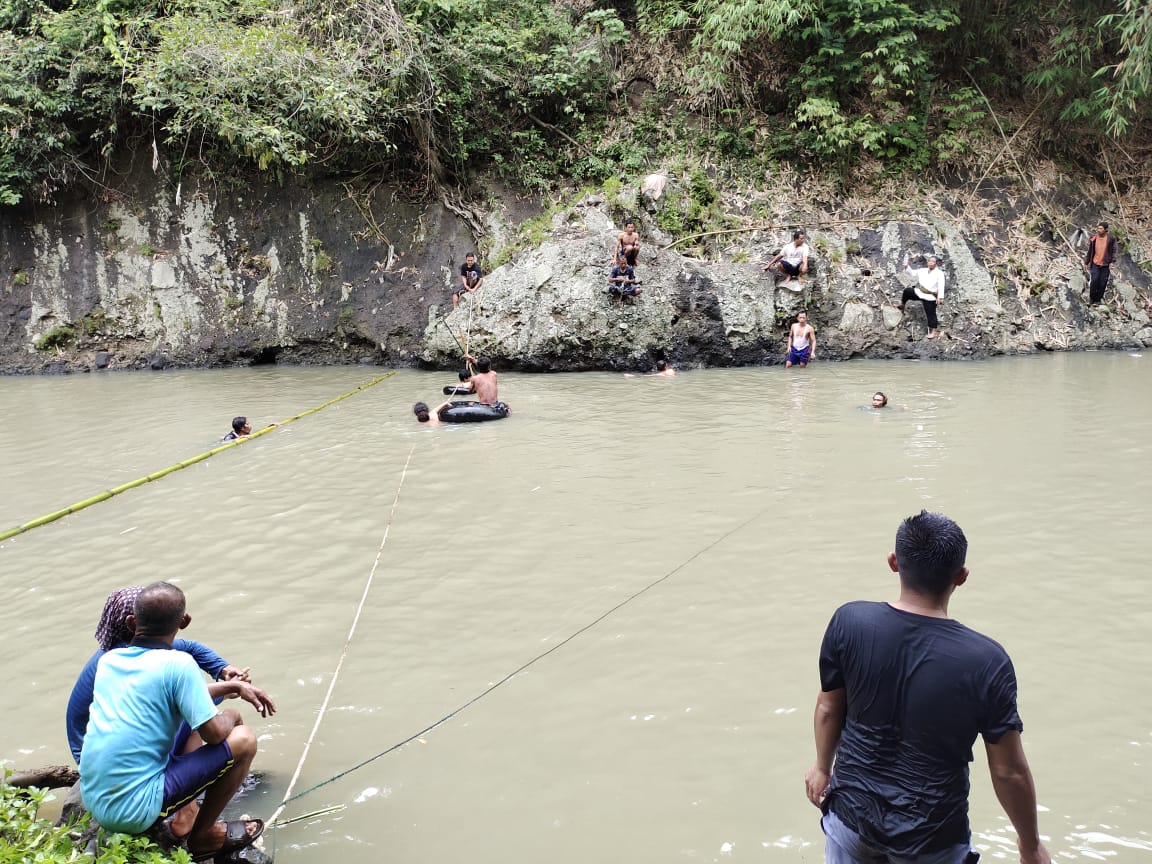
x: 471, y: 278
x: 905, y: 690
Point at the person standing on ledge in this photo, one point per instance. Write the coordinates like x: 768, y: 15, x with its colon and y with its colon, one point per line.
x: 1098, y: 262
x: 929, y: 291
x: 905, y: 690
x: 801, y: 343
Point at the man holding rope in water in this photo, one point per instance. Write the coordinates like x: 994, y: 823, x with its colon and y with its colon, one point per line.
x: 145, y: 697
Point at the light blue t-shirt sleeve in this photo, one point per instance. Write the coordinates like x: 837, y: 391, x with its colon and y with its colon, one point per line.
x: 189, y: 692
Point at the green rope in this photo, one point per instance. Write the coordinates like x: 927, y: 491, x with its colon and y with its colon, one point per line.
x: 104, y: 496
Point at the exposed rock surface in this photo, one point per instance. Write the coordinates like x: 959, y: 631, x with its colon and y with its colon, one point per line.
x: 154, y: 276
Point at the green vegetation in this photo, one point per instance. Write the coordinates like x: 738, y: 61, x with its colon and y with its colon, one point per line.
x: 20, y: 277
x: 321, y: 260
x: 57, y: 337
x: 534, y: 92
x: 93, y: 322
x: 25, y: 838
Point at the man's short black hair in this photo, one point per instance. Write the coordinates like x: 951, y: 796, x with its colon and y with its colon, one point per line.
x: 798, y: 233
x: 465, y: 373
x: 470, y: 255
x: 483, y: 364
x: 1103, y: 225
x: 661, y: 365
x: 239, y: 423
x: 421, y: 411
x: 159, y: 609
x: 930, y: 552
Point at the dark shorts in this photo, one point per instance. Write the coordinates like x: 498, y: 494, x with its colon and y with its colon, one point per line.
x: 800, y: 356
x: 189, y: 774
x: 630, y: 255
x: 790, y: 269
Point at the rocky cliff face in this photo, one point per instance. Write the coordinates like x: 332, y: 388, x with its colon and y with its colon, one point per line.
x: 548, y: 308
x: 153, y: 275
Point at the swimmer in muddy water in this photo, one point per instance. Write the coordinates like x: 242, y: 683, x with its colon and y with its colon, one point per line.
x: 241, y: 428
x: 663, y: 370
x: 879, y: 400
x: 430, y: 416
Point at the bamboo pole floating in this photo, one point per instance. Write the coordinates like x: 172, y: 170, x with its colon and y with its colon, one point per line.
x: 156, y: 475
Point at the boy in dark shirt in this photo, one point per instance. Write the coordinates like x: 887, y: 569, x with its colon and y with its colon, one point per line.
x: 622, y: 281
x: 471, y: 278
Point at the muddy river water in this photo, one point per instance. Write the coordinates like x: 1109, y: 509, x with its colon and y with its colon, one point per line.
x: 678, y: 727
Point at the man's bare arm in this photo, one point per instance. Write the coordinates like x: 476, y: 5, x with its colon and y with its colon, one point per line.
x: 827, y: 724
x: 1012, y: 780
x: 812, y: 340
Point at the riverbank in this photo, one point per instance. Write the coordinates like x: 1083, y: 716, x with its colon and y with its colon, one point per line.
x: 323, y: 272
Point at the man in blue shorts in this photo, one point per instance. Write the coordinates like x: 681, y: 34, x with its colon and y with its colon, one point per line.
x: 146, y: 697
x: 801, y: 343
x: 905, y: 691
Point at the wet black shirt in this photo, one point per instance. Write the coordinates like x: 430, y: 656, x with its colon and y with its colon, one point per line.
x: 919, y: 690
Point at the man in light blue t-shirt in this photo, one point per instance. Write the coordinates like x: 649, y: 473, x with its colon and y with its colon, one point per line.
x: 145, y: 698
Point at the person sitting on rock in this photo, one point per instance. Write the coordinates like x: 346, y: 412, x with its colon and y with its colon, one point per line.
x: 115, y: 629
x: 241, y: 428
x: 793, y: 258
x: 622, y: 281
x: 471, y: 278
x: 147, y: 696
x: 628, y: 243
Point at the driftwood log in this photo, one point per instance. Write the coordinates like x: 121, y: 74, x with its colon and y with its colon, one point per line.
x: 51, y: 777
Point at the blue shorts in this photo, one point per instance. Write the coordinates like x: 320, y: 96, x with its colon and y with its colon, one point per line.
x: 842, y: 845
x: 189, y: 774
x: 800, y: 356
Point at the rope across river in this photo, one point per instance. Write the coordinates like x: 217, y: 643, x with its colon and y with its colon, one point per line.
x: 156, y: 475
x: 289, y: 797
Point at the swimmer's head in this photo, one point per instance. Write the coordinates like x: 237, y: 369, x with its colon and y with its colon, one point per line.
x: 421, y: 412
x: 661, y: 365
x: 483, y: 364
x: 240, y: 425
x: 879, y: 400
x: 465, y: 373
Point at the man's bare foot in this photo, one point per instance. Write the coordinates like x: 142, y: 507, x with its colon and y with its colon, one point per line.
x: 786, y: 281
x: 933, y: 334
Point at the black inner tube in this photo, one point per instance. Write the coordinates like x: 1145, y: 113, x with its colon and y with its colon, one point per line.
x: 472, y: 412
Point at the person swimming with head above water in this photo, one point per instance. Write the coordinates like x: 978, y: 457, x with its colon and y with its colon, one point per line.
x: 424, y: 414
x: 879, y: 400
